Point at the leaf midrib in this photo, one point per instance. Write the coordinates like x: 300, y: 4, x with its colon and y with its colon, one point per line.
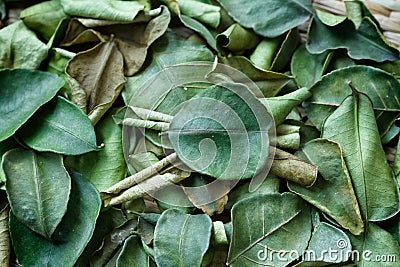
x: 250, y: 246
x: 64, y: 129
x: 39, y: 197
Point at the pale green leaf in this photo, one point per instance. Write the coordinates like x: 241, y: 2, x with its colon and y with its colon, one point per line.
x: 354, y: 128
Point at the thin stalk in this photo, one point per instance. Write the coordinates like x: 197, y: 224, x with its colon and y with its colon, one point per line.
x: 140, y: 176
x: 149, y: 186
x: 147, y: 114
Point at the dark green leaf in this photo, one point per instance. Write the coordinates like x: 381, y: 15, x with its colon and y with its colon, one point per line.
x: 60, y: 127
x: 38, y: 189
x: 22, y: 93
x: 366, y: 42
x: 269, y: 18
x: 328, y: 93
x: 174, y: 235
x: 308, y: 68
x: 70, y: 238
x: 265, y: 224
x: 106, y: 222
x: 133, y: 254
x: 205, y: 117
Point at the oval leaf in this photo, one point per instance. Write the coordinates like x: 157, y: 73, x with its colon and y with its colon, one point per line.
x: 38, y: 188
x: 266, y: 223
x: 269, y: 18
x: 174, y: 235
x: 22, y: 93
x: 222, y: 132
x: 328, y: 93
x: 70, y: 238
x: 353, y: 127
x: 366, y: 42
x: 335, y: 180
x: 59, y: 127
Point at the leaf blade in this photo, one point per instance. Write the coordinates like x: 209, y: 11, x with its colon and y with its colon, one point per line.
x: 38, y: 189
x: 60, y: 127
x: 364, y: 156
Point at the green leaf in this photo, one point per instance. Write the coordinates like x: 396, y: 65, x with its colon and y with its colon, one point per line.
x: 174, y: 235
x: 199, y: 10
x: 328, y: 93
x: 108, y: 251
x: 288, y: 136
x: 327, y: 238
x: 281, y: 106
x: 376, y: 242
x: 70, y: 238
x: 20, y: 48
x: 270, y: 185
x: 5, y: 243
x: 269, y: 18
x: 100, y: 85
x: 169, y: 50
x: 208, y: 34
x: 269, y: 82
x: 43, y: 17
x: 366, y: 42
x: 60, y: 127
x: 22, y: 93
x: 205, y: 141
x: 353, y: 127
x: 308, y: 68
x: 105, y: 224
x: 334, y: 181
x: 133, y: 254
x: 122, y: 11
x: 38, y: 189
x: 106, y: 167
x: 329, y: 19
x: 264, y: 224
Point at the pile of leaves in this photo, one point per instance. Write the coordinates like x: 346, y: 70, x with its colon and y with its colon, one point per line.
x: 70, y: 70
